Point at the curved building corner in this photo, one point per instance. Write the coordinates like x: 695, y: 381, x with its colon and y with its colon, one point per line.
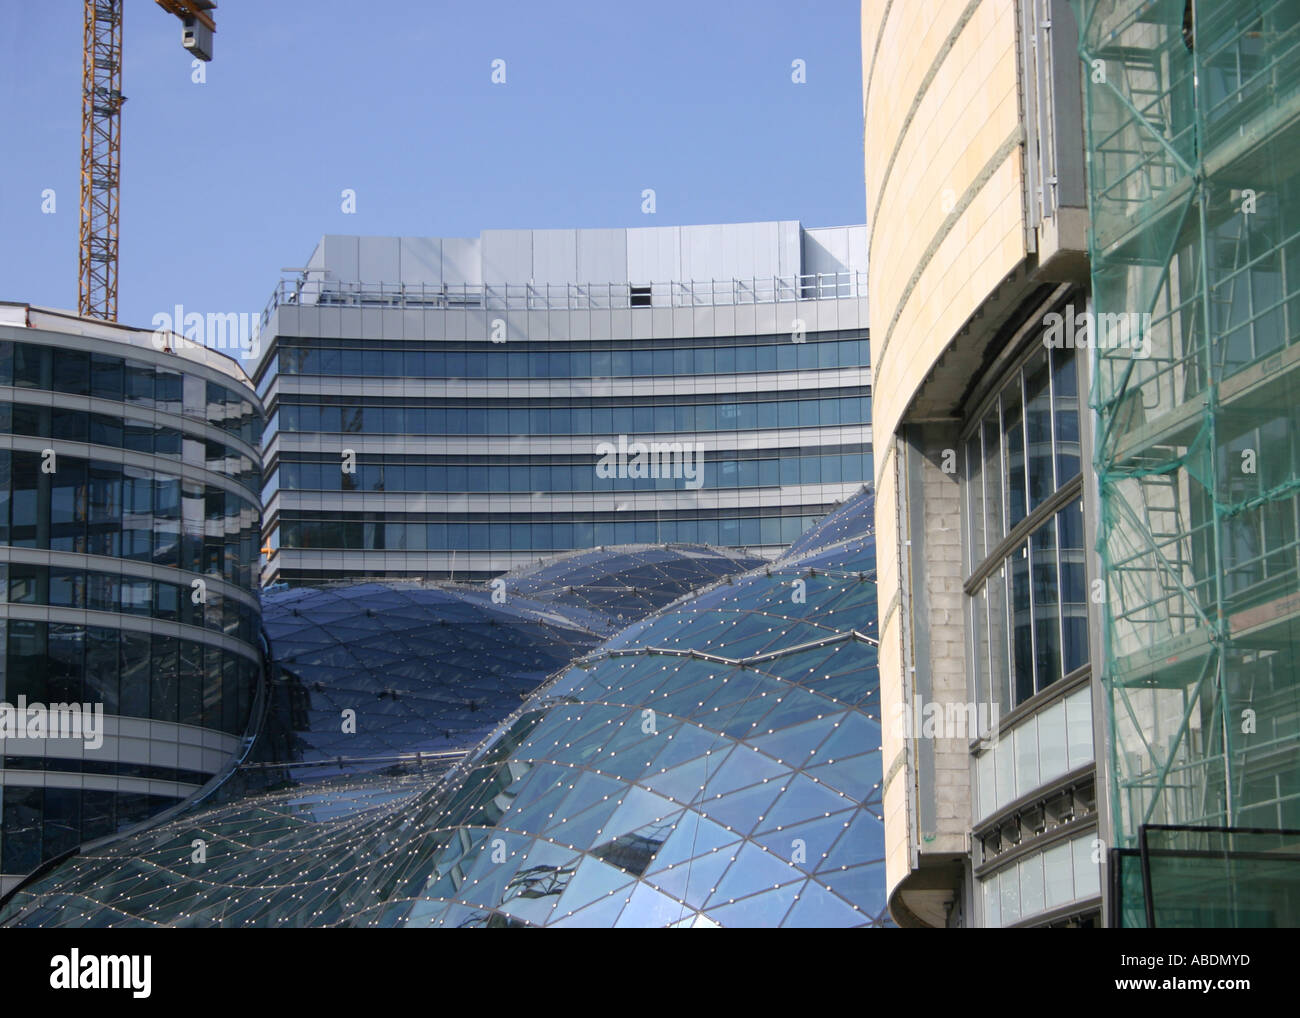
x: 977, y: 223
x: 130, y: 632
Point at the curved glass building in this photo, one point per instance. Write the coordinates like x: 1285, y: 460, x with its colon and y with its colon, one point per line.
x: 715, y: 762
x: 129, y: 630
x: 445, y: 407
x: 431, y: 670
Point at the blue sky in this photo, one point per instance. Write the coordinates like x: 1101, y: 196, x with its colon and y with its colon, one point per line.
x: 226, y: 182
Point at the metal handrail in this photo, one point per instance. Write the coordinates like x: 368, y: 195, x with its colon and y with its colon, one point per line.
x: 308, y: 289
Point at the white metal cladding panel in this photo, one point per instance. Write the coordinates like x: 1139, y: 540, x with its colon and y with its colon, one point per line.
x: 858, y: 244
x: 421, y: 259
x: 461, y: 260
x: 835, y: 249
x: 602, y: 256
x: 653, y: 254
x: 378, y: 259
x: 507, y: 256
x: 790, y: 247
x: 555, y: 256
x: 638, y: 255
x: 820, y: 254
x: 341, y: 256
x: 349, y: 320
x: 754, y: 248
x: 701, y: 248
x: 730, y: 251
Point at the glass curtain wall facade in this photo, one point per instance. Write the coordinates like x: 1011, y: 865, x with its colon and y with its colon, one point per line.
x: 426, y: 420
x: 129, y: 526
x: 1193, y: 139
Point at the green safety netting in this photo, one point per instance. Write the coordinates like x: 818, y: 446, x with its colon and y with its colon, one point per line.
x: 1193, y: 145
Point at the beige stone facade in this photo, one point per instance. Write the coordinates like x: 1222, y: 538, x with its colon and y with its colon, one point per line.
x: 955, y: 251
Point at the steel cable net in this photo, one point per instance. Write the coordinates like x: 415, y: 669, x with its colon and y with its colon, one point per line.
x: 716, y: 763
x: 1193, y: 147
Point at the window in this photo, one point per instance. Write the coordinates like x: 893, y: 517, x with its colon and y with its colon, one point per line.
x: 1028, y: 618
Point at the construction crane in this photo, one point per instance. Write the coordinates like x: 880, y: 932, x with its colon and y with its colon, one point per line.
x: 101, y: 139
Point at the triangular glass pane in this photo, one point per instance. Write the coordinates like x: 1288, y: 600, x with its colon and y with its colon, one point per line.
x: 759, y: 911
x: 580, y: 831
x: 792, y: 745
x: 600, y: 916
x: 746, y: 766
x: 694, y: 836
x: 650, y: 909
x: 593, y: 881
x: 864, y: 886
x: 855, y: 777
x: 855, y: 734
x: 633, y: 852
x: 684, y: 783
x: 741, y: 810
x: 639, y: 807
x: 808, y: 841
x: 685, y: 742
x: 819, y: 908
x: 542, y: 877
x: 802, y: 800
x: 695, y: 879
x: 862, y: 841
x: 754, y: 870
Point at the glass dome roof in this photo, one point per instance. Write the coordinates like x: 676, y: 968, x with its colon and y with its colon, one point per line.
x: 432, y: 669
x: 715, y: 762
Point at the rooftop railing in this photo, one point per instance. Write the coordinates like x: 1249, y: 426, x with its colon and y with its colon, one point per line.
x: 306, y: 290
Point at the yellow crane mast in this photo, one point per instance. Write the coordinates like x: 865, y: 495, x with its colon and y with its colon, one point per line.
x: 101, y: 139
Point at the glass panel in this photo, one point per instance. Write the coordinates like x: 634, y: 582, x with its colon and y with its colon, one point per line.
x: 1026, y: 750
x: 1023, y: 629
x: 1087, y: 877
x: 1004, y: 772
x: 1078, y: 721
x: 1047, y: 623
x: 1065, y: 397
x: 1009, y: 883
x: 1053, y: 758
x: 986, y: 802
x: 1013, y: 422
x: 979, y: 642
x: 1031, y: 885
x: 1074, y: 586
x: 974, y: 499
x: 993, y: 532
x: 999, y: 660
x: 992, y: 902
x: 1038, y: 429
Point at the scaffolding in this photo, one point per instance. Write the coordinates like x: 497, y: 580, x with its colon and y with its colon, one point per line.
x: 1193, y: 148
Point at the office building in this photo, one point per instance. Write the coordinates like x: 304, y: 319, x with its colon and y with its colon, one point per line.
x: 130, y: 623
x: 460, y: 407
